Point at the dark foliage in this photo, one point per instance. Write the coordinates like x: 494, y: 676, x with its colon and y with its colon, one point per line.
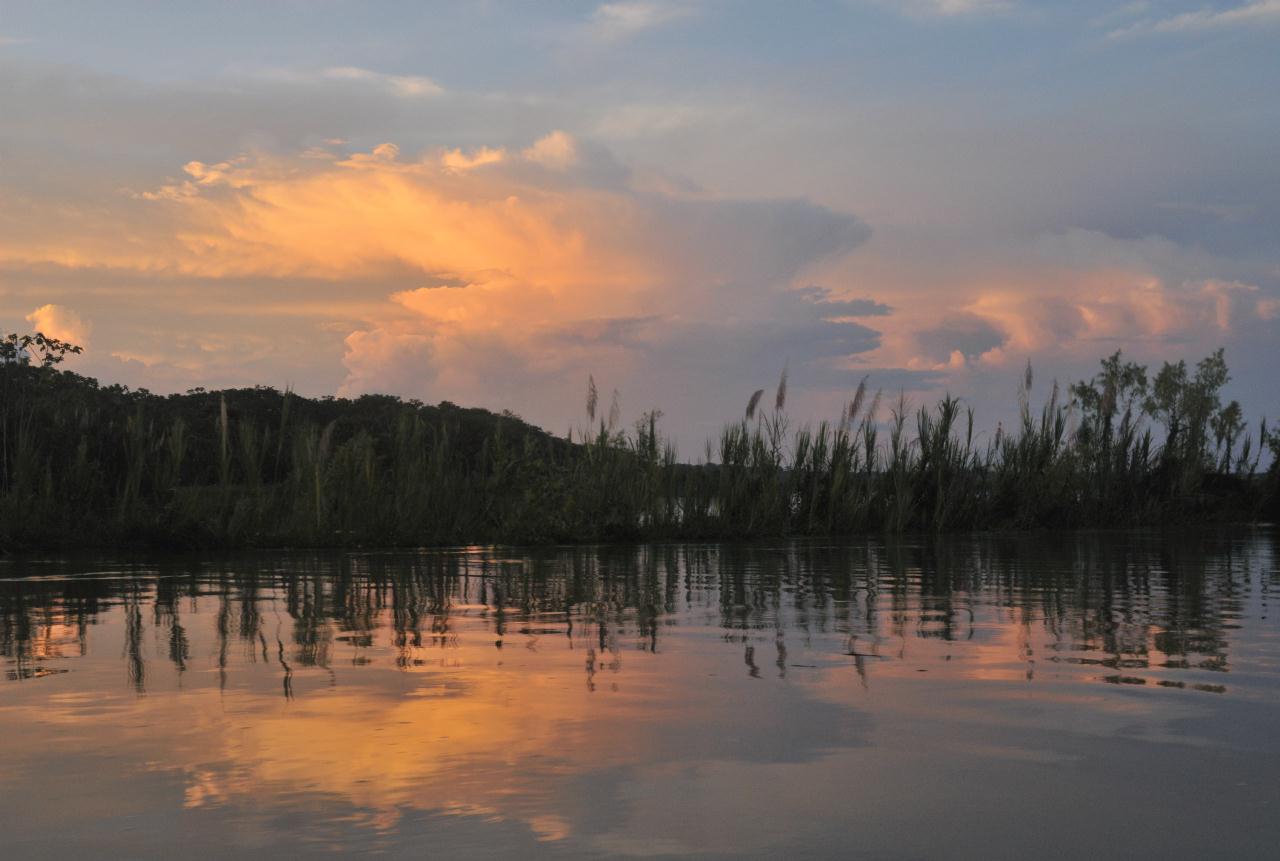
x: 93, y: 465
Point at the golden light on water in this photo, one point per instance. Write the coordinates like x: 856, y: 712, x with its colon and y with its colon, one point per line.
x: 681, y: 711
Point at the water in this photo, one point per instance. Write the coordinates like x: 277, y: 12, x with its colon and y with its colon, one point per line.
x: 1111, y: 695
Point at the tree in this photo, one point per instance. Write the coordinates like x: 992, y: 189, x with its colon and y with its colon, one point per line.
x: 17, y: 375
x: 1115, y: 390
x: 17, y: 349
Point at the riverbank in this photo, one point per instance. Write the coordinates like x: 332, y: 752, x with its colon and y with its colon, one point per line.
x: 91, y: 465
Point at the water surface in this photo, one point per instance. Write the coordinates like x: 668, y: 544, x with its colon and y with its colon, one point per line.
x: 1114, y: 695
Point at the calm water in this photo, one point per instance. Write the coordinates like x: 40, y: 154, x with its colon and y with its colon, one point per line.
x: 1053, y: 696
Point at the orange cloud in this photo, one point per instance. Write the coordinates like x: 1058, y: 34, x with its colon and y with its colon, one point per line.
x: 354, y: 217
x: 557, y: 151
x: 58, y: 321
x: 1079, y: 296
x: 1116, y: 306
x: 471, y: 267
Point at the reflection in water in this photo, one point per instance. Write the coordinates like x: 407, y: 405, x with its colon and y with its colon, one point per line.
x: 685, y: 699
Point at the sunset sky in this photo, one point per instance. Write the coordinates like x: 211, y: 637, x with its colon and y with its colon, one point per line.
x: 485, y: 201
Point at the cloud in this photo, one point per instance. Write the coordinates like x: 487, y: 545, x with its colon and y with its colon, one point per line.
x: 1253, y: 13
x: 409, y: 86
x: 651, y: 120
x: 830, y: 308
x: 1127, y: 11
x: 612, y: 22
x: 457, y: 160
x: 6, y: 41
x: 495, y: 276
x: 65, y: 126
x: 405, y: 85
x: 1123, y: 307
x: 948, y: 8
x: 967, y: 334
x: 1064, y: 301
x: 392, y: 358
x: 292, y: 225
x: 59, y: 321
x: 556, y: 151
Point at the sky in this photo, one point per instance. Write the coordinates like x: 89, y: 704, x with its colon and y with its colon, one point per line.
x: 484, y: 202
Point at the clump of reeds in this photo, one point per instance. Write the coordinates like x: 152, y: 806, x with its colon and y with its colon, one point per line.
x: 91, y: 464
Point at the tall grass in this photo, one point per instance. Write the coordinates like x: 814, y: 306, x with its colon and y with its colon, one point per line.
x: 89, y: 464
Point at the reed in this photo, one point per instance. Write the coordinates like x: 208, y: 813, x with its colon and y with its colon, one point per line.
x: 87, y: 464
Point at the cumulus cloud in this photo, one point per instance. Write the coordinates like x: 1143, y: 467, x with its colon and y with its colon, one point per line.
x: 1123, y: 307
x: 557, y: 151
x: 522, y: 270
x: 1066, y: 300
x: 391, y: 358
x: 59, y: 321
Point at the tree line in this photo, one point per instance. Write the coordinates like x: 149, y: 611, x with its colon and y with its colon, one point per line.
x: 87, y: 464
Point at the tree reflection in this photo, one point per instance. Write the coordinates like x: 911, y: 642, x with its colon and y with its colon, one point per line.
x: 1118, y: 601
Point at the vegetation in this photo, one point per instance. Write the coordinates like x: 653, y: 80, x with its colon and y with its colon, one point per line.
x: 93, y: 465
